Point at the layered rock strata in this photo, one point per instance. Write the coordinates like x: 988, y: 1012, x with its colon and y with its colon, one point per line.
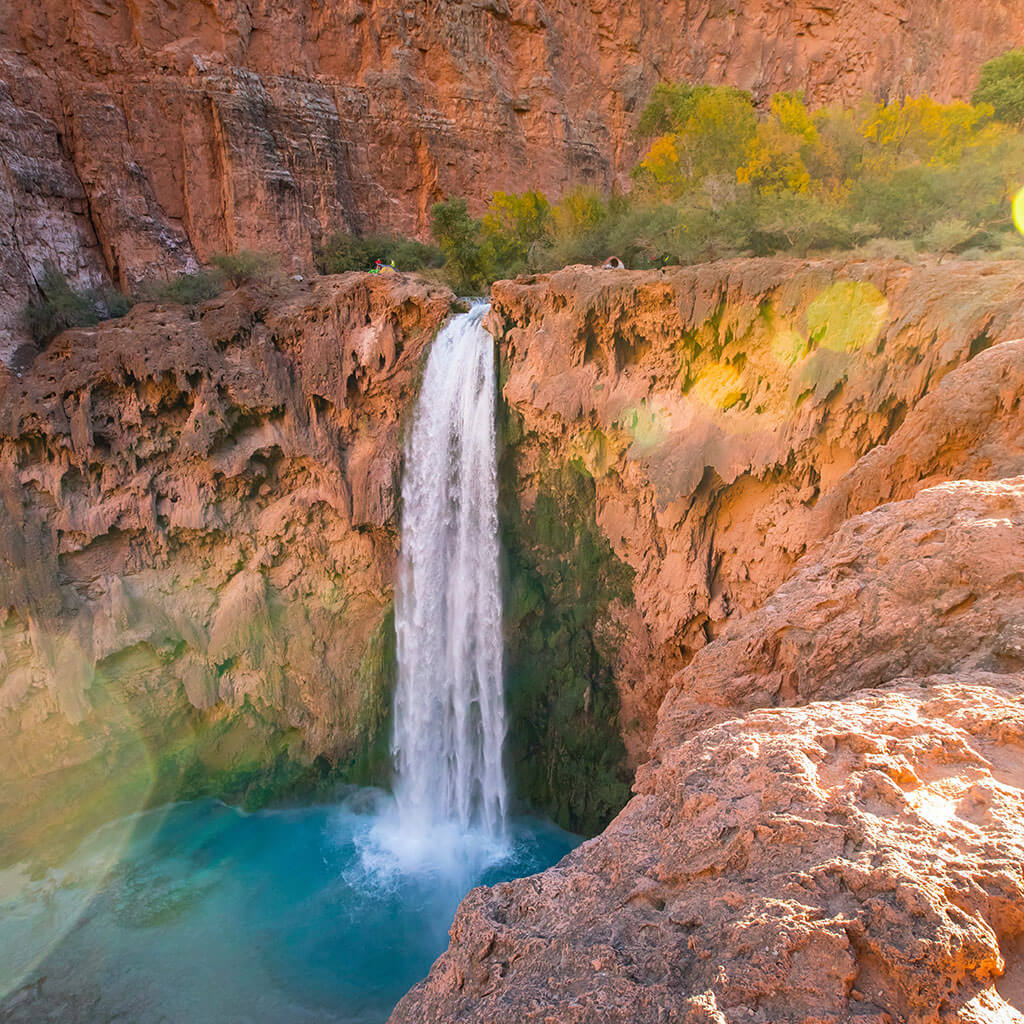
x: 153, y: 134
x: 197, y: 548
x: 831, y: 827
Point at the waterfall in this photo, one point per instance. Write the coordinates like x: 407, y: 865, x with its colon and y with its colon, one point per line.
x: 449, y: 706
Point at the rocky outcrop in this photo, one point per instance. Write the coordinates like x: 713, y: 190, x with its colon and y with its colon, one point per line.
x: 197, y: 549
x: 711, y: 424
x: 832, y: 825
x: 157, y: 133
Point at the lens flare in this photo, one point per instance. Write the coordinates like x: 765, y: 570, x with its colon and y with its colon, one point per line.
x: 1018, y: 211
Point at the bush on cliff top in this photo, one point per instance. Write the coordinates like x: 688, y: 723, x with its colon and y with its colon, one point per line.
x: 245, y: 266
x: 59, y: 306
x: 342, y: 252
x: 723, y: 177
x: 185, y: 289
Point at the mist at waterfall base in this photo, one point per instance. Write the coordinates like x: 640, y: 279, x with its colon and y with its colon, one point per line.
x: 198, y: 912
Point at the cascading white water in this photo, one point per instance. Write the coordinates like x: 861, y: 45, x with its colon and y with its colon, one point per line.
x: 449, y: 705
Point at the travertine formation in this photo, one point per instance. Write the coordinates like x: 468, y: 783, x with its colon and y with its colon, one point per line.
x: 718, y: 407
x: 197, y: 547
x: 797, y: 491
x: 831, y: 828
x: 136, y: 138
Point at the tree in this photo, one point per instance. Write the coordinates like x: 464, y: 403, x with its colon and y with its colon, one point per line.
x: 1002, y: 86
x: 668, y: 109
x: 458, y: 236
x: 775, y: 154
x: 579, y: 211
x: 512, y: 227
x: 922, y: 130
x: 711, y: 127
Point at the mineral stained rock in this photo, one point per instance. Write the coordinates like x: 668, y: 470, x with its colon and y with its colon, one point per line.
x: 730, y: 415
x: 136, y: 138
x: 197, y: 547
x: 832, y: 826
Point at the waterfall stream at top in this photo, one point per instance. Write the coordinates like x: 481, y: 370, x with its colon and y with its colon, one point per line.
x: 449, y: 706
x: 450, y: 791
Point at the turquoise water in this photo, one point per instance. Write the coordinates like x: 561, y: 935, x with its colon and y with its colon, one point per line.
x: 200, y: 913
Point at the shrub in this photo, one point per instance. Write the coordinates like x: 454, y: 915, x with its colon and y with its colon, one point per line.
x: 245, y: 265
x: 342, y: 252
x: 949, y: 235
x: 59, y: 306
x: 186, y: 289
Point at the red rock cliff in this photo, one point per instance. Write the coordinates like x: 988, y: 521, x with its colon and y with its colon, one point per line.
x: 718, y: 410
x: 138, y: 137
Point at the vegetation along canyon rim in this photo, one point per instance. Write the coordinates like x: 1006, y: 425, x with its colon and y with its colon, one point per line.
x: 642, y: 640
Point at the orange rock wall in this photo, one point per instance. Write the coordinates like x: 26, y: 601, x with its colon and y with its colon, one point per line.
x: 719, y: 409
x: 197, y: 545
x: 830, y: 828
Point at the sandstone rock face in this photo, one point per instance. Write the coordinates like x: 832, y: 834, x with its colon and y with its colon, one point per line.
x: 728, y: 416
x: 197, y: 546
x: 832, y: 827
x: 162, y: 132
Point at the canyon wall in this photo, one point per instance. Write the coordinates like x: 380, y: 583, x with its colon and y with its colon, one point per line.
x: 830, y: 826
x: 677, y: 441
x: 197, y: 550
x: 138, y: 138
x: 762, y: 522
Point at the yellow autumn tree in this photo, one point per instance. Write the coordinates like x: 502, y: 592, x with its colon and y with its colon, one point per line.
x: 775, y: 155
x: 513, y: 224
x: 922, y: 130
x: 579, y: 211
x: 714, y: 126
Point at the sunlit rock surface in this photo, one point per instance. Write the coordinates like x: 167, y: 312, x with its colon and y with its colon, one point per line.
x: 727, y: 416
x: 157, y: 133
x: 197, y: 549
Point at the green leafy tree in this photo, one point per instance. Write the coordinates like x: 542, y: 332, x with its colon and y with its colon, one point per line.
x: 513, y: 228
x: 1002, y: 86
x: 668, y: 109
x: 580, y: 211
x: 458, y: 237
